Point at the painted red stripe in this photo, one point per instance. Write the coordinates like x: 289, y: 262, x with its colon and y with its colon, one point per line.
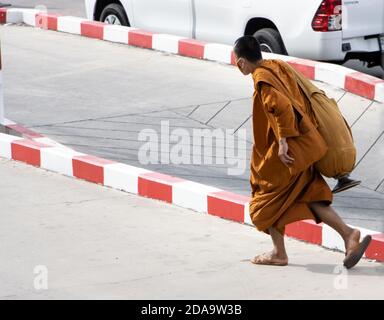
x: 227, y: 205
x: 92, y: 29
x: 27, y: 151
x: 233, y: 59
x: 89, y: 168
x: 3, y: 15
x: 376, y: 248
x: 46, y: 21
x: 191, y: 48
x: 361, y: 84
x: 306, y: 230
x: 306, y: 67
x: 140, y: 38
x: 157, y: 186
x: 25, y: 132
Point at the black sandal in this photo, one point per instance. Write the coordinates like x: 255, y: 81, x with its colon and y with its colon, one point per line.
x: 345, y: 183
x: 354, y: 257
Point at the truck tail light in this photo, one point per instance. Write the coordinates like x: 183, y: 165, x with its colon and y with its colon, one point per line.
x: 328, y: 16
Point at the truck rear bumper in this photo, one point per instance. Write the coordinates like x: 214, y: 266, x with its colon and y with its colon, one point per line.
x: 367, y: 49
x: 330, y: 46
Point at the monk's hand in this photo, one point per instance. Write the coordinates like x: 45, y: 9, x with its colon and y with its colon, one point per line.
x: 283, y: 152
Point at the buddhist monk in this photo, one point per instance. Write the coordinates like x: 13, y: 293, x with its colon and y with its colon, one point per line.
x: 280, y: 197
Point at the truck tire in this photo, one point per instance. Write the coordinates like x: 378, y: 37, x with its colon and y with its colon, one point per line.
x: 270, y: 41
x: 114, y: 14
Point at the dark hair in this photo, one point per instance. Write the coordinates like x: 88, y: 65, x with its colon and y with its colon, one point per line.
x: 249, y: 48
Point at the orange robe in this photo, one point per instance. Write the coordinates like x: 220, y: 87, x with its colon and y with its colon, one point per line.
x: 279, y: 198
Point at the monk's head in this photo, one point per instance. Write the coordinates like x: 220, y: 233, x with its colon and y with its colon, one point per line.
x: 247, y: 54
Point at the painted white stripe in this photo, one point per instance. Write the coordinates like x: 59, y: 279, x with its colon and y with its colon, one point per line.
x: 69, y: 24
x: 5, y: 145
x: 267, y: 55
x: 218, y: 52
x: 379, y: 92
x: 14, y: 16
x: 192, y: 195
x: 58, y: 159
x: 332, y: 74
x: 166, y: 43
x: 29, y: 16
x: 332, y: 240
x: 117, y: 34
x: 123, y: 177
x: 247, y: 217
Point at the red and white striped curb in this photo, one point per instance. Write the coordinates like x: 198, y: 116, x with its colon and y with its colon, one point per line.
x: 183, y: 193
x: 355, y: 82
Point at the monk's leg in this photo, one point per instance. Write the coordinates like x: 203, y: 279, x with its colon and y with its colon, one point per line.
x: 329, y: 216
x: 278, y: 256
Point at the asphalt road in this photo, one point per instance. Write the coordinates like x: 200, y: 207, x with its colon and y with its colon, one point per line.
x: 76, y: 8
x: 67, y: 7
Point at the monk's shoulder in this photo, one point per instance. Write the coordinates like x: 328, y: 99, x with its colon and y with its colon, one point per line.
x: 267, y: 73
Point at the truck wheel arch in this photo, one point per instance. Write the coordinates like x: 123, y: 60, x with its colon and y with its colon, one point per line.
x: 101, y: 4
x: 257, y: 24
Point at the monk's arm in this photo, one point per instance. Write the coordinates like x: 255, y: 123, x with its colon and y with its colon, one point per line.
x: 280, y: 106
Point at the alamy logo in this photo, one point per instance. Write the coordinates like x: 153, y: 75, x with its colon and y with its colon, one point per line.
x: 201, y: 146
x: 341, y: 280
x: 40, y: 281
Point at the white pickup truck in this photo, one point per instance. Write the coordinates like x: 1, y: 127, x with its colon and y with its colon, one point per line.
x: 327, y: 30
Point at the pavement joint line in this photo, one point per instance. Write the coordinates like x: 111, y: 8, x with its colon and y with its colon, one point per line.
x: 345, y: 92
x: 249, y: 117
x: 362, y: 114
x: 354, y: 207
x: 367, y: 188
x: 152, y: 124
x: 359, y: 197
x: 189, y: 114
x: 382, y: 181
x: 354, y: 82
x: 195, y: 120
x: 370, y: 148
x: 131, y: 114
x: 122, y: 139
x: 221, y: 109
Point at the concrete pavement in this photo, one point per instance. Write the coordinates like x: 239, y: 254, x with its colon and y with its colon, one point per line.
x: 99, y: 243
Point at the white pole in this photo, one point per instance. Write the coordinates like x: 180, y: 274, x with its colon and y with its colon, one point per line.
x: 1, y: 94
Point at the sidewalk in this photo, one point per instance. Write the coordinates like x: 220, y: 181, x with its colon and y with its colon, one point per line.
x: 101, y: 243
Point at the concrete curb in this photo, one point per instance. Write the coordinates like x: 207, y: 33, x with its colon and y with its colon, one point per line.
x: 355, y: 82
x: 35, y: 149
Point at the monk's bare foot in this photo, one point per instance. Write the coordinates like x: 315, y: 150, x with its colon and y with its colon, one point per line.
x: 270, y: 258
x: 353, y: 241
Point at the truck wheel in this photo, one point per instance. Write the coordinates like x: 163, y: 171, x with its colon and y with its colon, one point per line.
x: 270, y: 41
x: 114, y: 14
